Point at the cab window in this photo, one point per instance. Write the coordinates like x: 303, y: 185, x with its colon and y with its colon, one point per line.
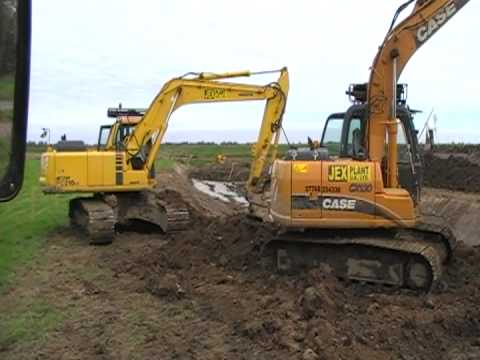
x: 354, y: 126
x: 103, y: 136
x: 122, y: 133
x: 332, y: 135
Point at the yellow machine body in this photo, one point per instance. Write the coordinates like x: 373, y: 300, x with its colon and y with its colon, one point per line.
x: 336, y: 194
x: 90, y: 171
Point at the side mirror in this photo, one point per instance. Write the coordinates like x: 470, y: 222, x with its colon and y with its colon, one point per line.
x: 15, y: 27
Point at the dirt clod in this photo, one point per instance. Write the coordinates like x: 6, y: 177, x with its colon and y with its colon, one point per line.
x: 311, y: 301
x: 166, y: 286
x: 309, y: 354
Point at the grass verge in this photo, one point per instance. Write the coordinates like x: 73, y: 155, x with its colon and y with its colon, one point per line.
x: 31, y: 321
x: 26, y: 222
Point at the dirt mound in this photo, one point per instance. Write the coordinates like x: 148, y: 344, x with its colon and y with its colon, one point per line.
x: 457, y: 148
x: 200, y: 204
x: 246, y: 311
x: 454, y: 172
x: 460, y: 210
x: 215, y: 272
x: 229, y: 171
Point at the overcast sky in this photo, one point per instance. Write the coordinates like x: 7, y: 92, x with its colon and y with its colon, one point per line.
x: 89, y: 55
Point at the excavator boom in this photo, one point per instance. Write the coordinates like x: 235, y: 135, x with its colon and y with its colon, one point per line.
x: 207, y: 89
x: 401, y: 43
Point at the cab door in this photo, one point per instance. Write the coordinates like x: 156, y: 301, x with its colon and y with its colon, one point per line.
x: 348, y: 183
x: 306, y: 189
x: 348, y: 191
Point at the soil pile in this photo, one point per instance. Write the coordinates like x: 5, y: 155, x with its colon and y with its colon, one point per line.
x: 229, y: 171
x: 460, y: 172
x: 199, y: 203
x: 240, y: 308
x: 460, y: 210
x: 243, y: 310
x: 457, y: 148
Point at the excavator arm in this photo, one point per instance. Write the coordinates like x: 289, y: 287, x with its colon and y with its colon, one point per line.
x: 206, y: 88
x: 400, y: 44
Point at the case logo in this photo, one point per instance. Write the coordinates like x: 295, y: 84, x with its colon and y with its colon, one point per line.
x: 431, y: 26
x: 339, y: 204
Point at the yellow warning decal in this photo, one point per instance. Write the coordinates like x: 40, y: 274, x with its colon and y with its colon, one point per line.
x: 300, y: 168
x: 350, y: 173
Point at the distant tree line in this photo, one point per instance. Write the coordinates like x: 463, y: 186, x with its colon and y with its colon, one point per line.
x: 8, y: 36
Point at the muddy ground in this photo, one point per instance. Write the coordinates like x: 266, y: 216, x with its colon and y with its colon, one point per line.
x: 207, y: 294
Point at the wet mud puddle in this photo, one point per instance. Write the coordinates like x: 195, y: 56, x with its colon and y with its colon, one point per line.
x: 222, y: 190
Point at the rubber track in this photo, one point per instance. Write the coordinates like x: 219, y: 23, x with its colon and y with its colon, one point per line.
x: 432, y: 225
x: 178, y: 218
x: 95, y: 218
x: 404, y: 246
x: 431, y: 239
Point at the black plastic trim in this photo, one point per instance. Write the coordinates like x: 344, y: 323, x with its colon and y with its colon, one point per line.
x: 12, y: 181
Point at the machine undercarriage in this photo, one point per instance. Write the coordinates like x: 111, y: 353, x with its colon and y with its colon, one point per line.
x: 412, y: 258
x: 99, y: 216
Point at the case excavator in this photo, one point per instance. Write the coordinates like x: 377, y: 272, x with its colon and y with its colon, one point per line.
x: 119, y: 172
x: 352, y: 201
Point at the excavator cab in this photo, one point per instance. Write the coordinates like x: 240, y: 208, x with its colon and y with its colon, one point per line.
x: 113, y: 137
x: 343, y: 133
x: 344, y: 136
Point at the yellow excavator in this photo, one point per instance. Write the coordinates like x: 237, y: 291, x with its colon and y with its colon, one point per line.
x: 351, y: 202
x: 119, y: 172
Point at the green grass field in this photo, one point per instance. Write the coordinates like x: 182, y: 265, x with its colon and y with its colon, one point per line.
x: 27, y: 221
x: 200, y: 154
